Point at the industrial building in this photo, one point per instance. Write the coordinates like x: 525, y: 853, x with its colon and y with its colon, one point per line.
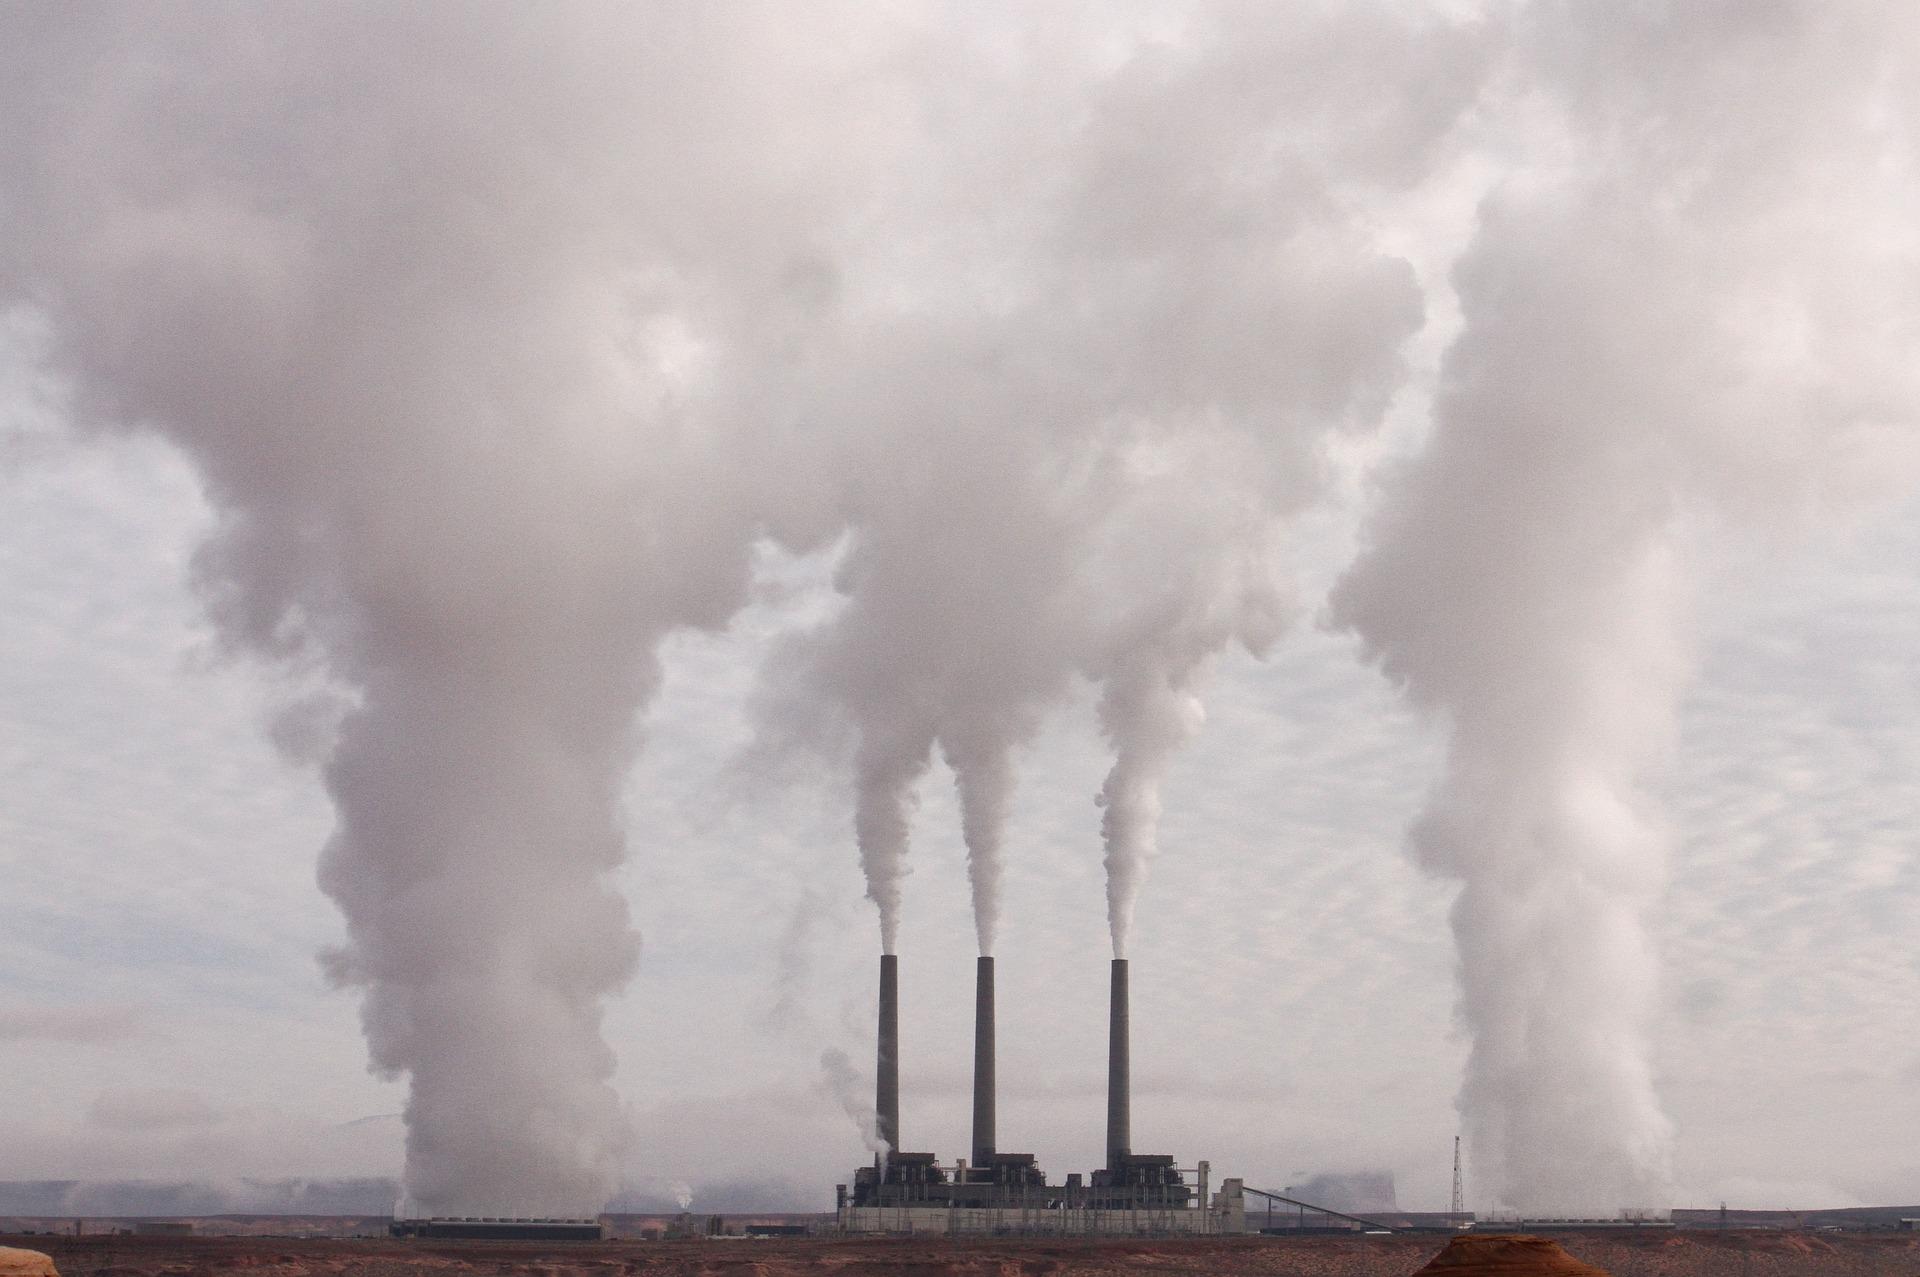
x: 162, y: 1228
x: 995, y: 1192
x: 491, y: 1228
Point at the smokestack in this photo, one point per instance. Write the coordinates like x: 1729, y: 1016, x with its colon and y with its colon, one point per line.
x: 1119, y: 1083
x: 983, y: 1064
x: 886, y: 1089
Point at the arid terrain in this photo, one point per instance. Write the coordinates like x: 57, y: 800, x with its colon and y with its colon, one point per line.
x: 1674, y: 1254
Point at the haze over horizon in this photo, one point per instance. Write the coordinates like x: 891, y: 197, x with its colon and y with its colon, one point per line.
x: 630, y: 494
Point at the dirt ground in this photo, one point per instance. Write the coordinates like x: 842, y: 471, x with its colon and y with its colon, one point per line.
x: 1672, y: 1254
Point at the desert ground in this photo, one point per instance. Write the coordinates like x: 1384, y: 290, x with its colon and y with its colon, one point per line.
x: 1672, y: 1254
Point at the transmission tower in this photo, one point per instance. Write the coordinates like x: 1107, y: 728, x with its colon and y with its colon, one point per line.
x: 1459, y: 1186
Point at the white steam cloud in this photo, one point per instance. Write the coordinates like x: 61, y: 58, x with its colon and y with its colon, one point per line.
x: 1072, y: 452
x: 501, y: 336
x: 1703, y: 303
x: 497, y: 344
x: 426, y: 297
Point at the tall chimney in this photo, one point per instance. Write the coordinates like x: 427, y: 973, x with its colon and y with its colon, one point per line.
x: 983, y: 1064
x: 1119, y: 1083
x: 886, y: 1090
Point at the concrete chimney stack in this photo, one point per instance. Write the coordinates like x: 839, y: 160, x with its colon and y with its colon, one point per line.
x: 1119, y: 1080
x: 886, y: 1090
x: 983, y: 1142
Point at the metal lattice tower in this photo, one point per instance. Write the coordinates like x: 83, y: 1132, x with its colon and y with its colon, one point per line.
x: 1459, y: 1186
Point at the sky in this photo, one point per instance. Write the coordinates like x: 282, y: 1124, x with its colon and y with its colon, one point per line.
x: 165, y: 1009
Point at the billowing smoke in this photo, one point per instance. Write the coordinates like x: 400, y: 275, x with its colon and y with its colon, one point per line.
x: 437, y: 302
x: 1074, y: 456
x: 1697, y: 297
x: 853, y: 1093
x: 1199, y: 567
x: 953, y: 631
x: 498, y: 343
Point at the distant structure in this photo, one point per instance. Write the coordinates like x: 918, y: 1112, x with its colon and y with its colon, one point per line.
x: 163, y: 1228
x: 1134, y: 1193
x: 1325, y: 1218
x: 492, y: 1228
x: 1501, y: 1222
x: 1459, y: 1207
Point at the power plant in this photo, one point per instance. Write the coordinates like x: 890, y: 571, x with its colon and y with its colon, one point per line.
x: 996, y: 1192
x: 501, y: 1228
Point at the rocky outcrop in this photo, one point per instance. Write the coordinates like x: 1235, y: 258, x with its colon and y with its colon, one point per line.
x: 1506, y: 1255
x: 15, y: 1262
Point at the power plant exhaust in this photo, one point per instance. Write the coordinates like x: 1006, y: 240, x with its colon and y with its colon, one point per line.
x: 886, y: 1089
x: 983, y: 1139
x: 1119, y: 1080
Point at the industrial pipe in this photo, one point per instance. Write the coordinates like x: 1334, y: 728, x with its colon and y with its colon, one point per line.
x: 983, y: 1141
x: 886, y: 1090
x: 1119, y: 1080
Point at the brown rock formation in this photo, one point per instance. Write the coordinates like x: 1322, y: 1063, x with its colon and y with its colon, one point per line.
x: 15, y: 1262
x: 1506, y: 1255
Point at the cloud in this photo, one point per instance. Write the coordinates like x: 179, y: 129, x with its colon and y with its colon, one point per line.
x: 74, y: 1025
x: 154, y: 1109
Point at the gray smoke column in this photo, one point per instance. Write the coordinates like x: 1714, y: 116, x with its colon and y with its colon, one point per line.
x: 840, y: 1080
x: 881, y: 824
x: 983, y: 1080
x: 1148, y: 716
x: 1191, y: 561
x: 983, y: 778
x: 1693, y: 303
x: 430, y: 304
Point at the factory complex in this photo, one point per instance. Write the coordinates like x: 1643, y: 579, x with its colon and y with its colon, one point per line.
x: 992, y: 1192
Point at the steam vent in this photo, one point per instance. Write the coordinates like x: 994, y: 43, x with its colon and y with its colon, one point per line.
x: 996, y: 1192
x: 490, y: 1228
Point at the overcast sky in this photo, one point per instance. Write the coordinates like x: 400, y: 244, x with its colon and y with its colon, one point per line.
x: 164, y: 1013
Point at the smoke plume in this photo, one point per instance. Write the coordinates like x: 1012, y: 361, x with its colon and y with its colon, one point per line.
x: 432, y: 301
x: 499, y: 343
x: 1200, y: 561
x: 1693, y: 300
x: 853, y: 1093
x: 1075, y: 456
